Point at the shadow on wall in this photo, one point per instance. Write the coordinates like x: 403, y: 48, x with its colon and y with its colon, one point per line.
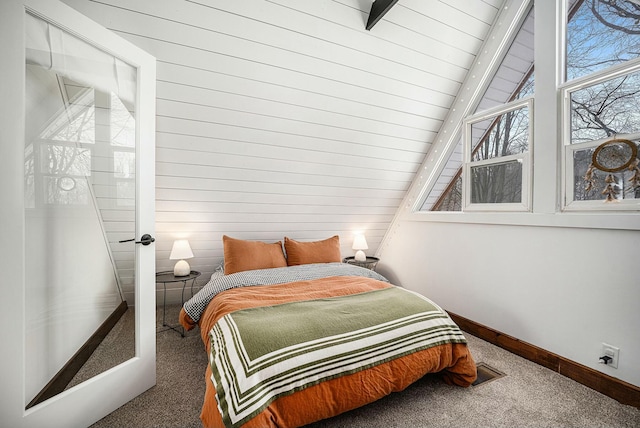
x: 388, y: 273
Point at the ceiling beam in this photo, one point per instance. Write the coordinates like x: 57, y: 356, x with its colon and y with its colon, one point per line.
x: 378, y: 9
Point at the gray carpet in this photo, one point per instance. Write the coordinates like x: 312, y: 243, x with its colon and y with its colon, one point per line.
x: 527, y: 396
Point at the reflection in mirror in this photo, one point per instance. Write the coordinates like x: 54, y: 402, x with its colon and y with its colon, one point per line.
x: 80, y: 149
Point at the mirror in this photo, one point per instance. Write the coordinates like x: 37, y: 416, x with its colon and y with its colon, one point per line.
x: 80, y: 201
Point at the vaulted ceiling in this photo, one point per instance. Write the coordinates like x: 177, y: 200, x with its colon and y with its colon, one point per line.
x: 282, y: 117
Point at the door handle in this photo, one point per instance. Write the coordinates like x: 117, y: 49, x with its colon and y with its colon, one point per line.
x: 145, y: 240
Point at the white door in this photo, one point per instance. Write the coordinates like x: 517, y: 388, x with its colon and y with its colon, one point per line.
x: 77, y: 180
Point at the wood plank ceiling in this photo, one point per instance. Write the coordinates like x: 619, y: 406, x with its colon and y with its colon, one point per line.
x: 283, y: 117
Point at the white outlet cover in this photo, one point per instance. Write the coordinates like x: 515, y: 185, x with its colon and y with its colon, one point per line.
x: 612, y: 352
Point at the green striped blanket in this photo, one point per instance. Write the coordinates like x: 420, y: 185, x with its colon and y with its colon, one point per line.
x: 260, y: 354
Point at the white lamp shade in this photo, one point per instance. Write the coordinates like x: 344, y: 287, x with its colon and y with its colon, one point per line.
x: 181, y: 250
x: 359, y: 244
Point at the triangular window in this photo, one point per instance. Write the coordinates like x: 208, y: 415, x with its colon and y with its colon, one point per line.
x: 513, y: 80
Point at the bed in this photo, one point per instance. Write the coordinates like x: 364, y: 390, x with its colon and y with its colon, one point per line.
x: 292, y: 344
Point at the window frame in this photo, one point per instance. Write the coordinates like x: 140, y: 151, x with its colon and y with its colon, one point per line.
x: 523, y: 158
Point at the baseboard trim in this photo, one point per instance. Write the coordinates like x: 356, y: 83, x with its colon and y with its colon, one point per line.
x: 610, y: 386
x: 61, y: 379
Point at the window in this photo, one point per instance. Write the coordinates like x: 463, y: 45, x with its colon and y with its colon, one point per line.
x: 496, y: 158
x: 60, y: 158
x: 581, y: 161
x: 123, y: 145
x: 602, y: 107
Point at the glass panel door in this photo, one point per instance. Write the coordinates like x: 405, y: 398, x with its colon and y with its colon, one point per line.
x: 78, y: 151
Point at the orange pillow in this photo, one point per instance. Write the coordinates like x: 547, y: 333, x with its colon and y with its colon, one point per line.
x: 301, y: 253
x: 241, y: 255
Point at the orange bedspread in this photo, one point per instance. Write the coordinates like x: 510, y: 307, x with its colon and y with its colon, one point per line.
x: 337, y: 395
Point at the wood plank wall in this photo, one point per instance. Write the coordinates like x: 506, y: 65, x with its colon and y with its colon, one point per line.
x: 282, y: 117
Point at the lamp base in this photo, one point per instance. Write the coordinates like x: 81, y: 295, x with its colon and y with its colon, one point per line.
x: 360, y: 256
x: 182, y: 268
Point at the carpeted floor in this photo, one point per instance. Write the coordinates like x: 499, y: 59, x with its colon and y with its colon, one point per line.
x: 527, y: 396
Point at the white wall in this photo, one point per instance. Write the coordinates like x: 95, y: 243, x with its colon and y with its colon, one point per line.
x: 566, y: 290
x: 287, y: 117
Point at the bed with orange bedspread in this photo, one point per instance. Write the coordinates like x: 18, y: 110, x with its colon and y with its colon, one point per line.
x: 397, y: 348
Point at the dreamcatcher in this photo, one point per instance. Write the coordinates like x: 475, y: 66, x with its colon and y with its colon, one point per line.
x: 614, y: 156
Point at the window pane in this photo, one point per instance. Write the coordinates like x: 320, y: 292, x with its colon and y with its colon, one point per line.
x: 496, y: 184
x: 452, y: 199
x: 446, y: 194
x: 61, y: 159
x: 605, y: 109
x: 514, y: 77
x: 508, y: 134
x: 65, y: 191
x: 123, y: 124
x: 602, y: 33
x: 124, y: 164
x: 592, y: 184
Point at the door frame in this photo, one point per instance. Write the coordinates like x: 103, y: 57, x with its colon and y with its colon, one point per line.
x: 93, y: 399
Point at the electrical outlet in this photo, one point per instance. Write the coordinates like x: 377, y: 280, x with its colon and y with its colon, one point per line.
x: 611, y: 352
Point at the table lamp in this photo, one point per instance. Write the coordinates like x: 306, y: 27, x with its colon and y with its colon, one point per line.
x: 180, y: 251
x: 359, y: 244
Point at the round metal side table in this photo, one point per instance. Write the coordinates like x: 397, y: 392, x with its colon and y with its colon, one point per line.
x: 166, y: 277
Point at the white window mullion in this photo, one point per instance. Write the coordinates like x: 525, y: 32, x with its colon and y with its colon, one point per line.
x: 546, y: 110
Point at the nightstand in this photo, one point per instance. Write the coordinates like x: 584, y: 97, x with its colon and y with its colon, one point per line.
x: 167, y: 277
x: 369, y: 262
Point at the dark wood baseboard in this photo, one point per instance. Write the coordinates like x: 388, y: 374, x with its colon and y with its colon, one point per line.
x: 61, y: 379
x: 617, y: 389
